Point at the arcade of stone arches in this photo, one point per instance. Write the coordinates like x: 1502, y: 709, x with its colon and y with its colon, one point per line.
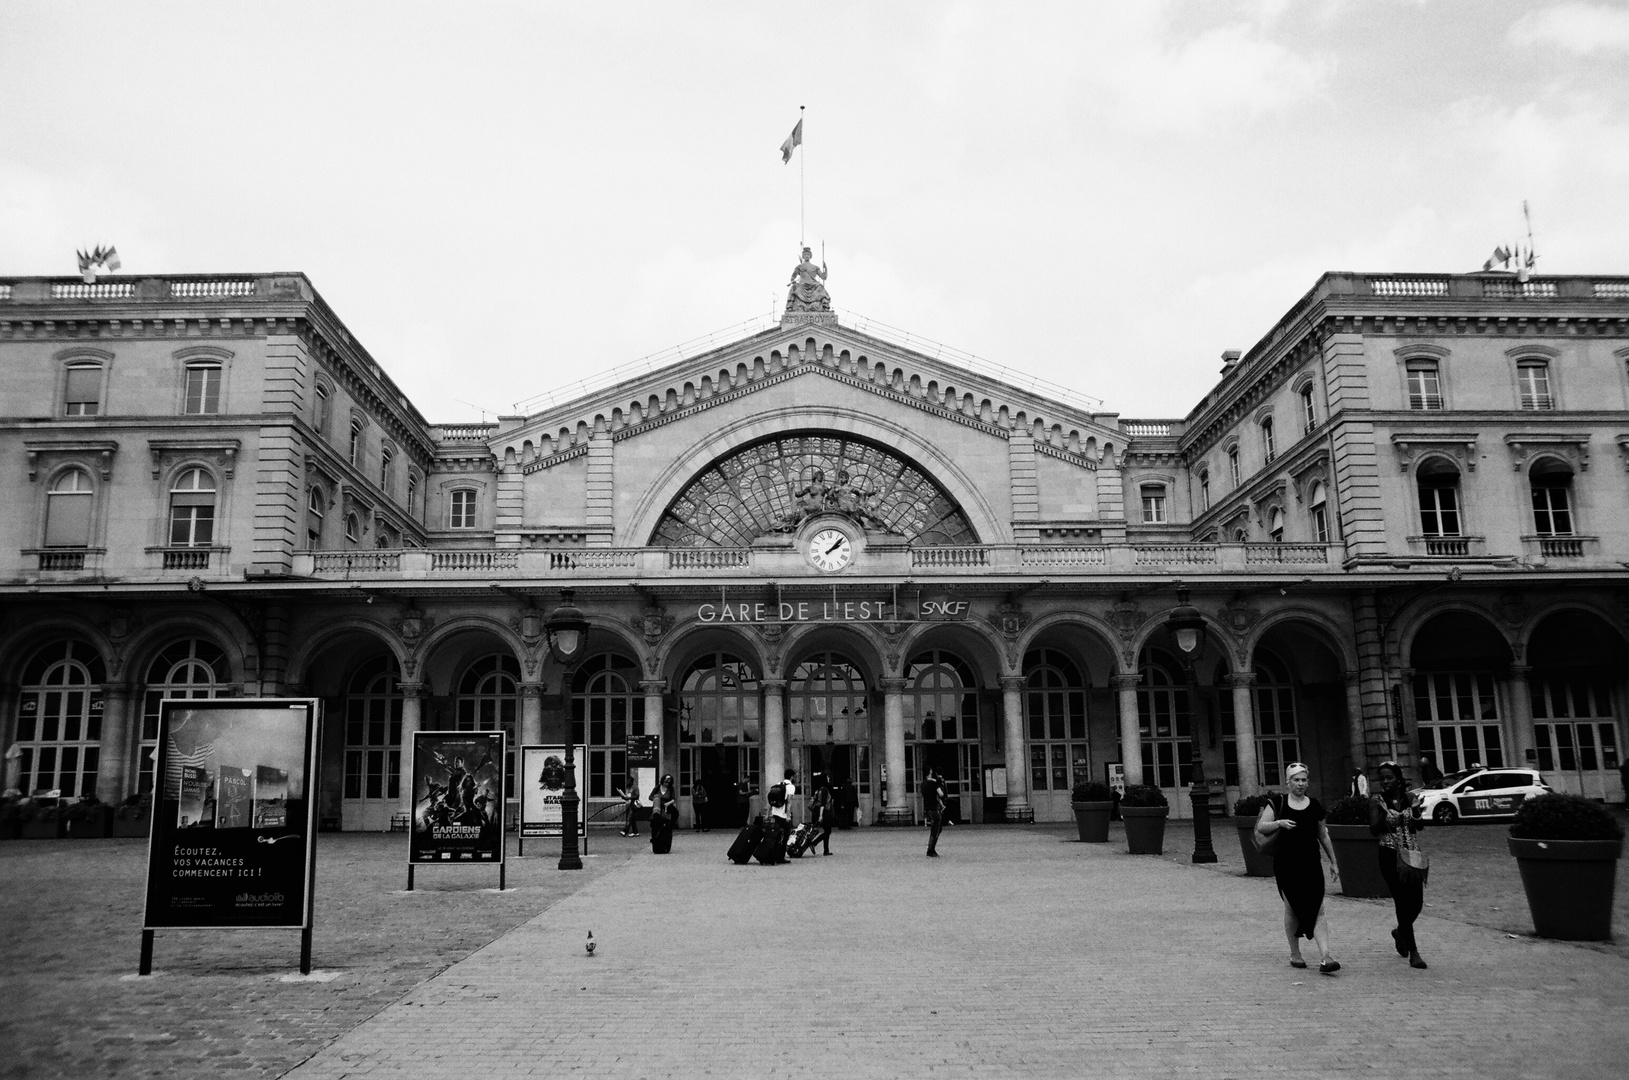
x: 1472, y: 693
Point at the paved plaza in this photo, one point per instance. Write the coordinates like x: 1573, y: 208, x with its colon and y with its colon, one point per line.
x: 1019, y: 953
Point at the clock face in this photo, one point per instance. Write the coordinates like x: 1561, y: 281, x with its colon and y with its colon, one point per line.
x: 830, y: 550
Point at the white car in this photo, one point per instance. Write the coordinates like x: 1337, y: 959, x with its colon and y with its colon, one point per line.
x: 1480, y: 793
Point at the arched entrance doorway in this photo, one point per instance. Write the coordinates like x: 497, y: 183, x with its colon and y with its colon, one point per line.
x: 1460, y: 713
x: 942, y: 729
x: 59, y: 721
x: 1578, y: 666
x: 829, y: 722
x: 720, y: 734
x: 373, y: 737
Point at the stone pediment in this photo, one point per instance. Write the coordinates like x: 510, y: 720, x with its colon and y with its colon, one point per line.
x: 865, y: 365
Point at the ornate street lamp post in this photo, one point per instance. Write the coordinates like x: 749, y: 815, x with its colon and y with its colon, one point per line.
x: 568, y: 634
x: 1187, y: 629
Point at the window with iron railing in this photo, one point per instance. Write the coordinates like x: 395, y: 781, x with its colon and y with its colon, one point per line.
x: 1533, y: 383
x: 1424, y: 385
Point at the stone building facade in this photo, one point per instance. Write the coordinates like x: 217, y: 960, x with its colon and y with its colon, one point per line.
x: 1401, y: 514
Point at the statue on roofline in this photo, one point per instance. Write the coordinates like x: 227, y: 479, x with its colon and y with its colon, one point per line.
x: 805, y: 291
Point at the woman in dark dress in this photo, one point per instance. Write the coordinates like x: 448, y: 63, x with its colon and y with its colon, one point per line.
x: 1391, y: 817
x: 1298, y: 821
x: 664, y: 811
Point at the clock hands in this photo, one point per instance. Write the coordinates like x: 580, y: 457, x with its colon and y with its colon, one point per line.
x: 835, y: 546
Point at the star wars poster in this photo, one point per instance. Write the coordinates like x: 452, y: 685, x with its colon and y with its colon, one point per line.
x: 232, y: 840
x: 542, y: 785
x: 458, y: 796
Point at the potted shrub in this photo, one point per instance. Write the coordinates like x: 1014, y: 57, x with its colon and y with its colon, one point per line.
x: 1144, y: 809
x: 40, y: 821
x: 89, y: 818
x: 1567, y: 849
x: 11, y: 814
x: 1093, y: 803
x: 134, y: 817
x: 1357, y: 850
x: 1245, y: 813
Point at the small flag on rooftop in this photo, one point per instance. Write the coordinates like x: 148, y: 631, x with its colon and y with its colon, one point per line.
x: 100, y: 260
x: 793, y: 141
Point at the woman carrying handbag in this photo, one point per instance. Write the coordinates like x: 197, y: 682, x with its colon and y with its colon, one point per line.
x: 1402, y: 863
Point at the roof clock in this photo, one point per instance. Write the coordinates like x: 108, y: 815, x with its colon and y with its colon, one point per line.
x: 830, y: 550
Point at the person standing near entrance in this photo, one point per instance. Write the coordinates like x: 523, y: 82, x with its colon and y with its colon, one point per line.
x: 821, y: 814
x: 698, y: 805
x: 631, y: 799
x: 933, y: 809
x: 664, y: 811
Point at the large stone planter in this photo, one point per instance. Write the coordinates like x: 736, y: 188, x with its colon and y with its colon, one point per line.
x: 1357, y: 853
x: 1569, y: 885
x: 50, y: 828
x: 1145, y: 828
x: 1255, y: 863
x: 93, y: 824
x: 1092, y: 820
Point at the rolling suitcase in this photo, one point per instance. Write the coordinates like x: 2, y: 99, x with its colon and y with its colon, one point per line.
x: 772, y: 848
x: 801, y: 838
x: 746, y: 841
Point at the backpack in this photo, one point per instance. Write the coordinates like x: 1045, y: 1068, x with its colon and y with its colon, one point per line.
x: 777, y: 795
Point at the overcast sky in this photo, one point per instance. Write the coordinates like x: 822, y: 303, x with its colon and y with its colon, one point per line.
x: 500, y: 198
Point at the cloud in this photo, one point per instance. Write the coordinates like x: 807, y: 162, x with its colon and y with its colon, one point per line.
x: 1578, y: 28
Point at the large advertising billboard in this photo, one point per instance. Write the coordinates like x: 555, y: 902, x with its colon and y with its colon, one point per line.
x: 458, y: 796
x: 542, y: 783
x: 232, y: 842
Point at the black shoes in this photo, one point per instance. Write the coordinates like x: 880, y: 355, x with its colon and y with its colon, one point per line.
x: 1414, y: 961
x: 1329, y: 967
x: 1397, y: 940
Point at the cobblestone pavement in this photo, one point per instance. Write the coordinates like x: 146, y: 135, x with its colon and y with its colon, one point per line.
x: 217, y: 1006
x: 1016, y: 954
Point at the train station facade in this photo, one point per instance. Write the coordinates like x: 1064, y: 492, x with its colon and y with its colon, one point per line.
x: 818, y: 547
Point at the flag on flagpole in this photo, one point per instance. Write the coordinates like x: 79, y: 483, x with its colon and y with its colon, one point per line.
x: 793, y: 141
x: 111, y: 258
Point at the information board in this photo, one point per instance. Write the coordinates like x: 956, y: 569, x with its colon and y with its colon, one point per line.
x: 232, y: 842
x: 458, y: 796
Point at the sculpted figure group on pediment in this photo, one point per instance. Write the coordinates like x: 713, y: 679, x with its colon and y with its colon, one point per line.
x: 819, y: 497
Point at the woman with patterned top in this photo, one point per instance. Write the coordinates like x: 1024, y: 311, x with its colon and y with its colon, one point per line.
x: 1391, y: 818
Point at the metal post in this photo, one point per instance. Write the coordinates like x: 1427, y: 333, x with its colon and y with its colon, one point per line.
x: 146, y: 967
x: 1203, y: 852
x: 569, y: 803
x: 409, y: 877
x: 305, y: 951
x: 502, y: 868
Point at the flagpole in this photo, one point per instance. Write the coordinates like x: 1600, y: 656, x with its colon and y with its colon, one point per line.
x: 802, y: 162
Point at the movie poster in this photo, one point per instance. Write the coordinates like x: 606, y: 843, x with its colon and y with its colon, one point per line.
x: 232, y: 840
x: 458, y: 796
x: 542, y: 785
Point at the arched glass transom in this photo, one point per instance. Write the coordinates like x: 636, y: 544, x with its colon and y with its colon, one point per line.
x: 769, y: 486
x: 190, y: 668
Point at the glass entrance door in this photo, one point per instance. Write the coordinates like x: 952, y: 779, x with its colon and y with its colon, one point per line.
x: 1577, y: 736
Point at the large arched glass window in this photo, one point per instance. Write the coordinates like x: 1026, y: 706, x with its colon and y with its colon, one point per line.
x: 373, y: 734
x: 191, y: 668
x: 59, y: 720
x: 1055, y: 715
x: 1439, y: 498
x: 489, y: 700
x: 720, y: 703
x: 68, y: 510
x: 606, y: 707
x: 828, y: 709
x: 1164, y: 716
x: 942, y: 718
x: 1551, y: 484
x: 192, y: 509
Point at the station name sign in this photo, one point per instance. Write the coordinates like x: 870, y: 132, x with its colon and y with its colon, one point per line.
x: 834, y: 611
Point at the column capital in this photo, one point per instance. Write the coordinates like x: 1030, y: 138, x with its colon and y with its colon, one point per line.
x: 116, y: 689
x: 1237, y: 679
x: 652, y: 686
x: 1125, y: 682
x: 417, y: 689
x: 1014, y: 683
x: 532, y: 689
x: 772, y: 686
x: 1520, y: 672
x: 891, y: 686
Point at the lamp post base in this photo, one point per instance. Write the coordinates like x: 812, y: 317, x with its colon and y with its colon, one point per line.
x: 569, y: 858
x: 1203, y: 852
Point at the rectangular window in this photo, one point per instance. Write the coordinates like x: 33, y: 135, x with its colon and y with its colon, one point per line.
x: 1320, y: 523
x: 1233, y: 465
x: 191, y: 525
x: 1424, y: 386
x: 1204, y: 491
x: 1551, y: 514
x: 1309, y: 417
x: 1269, y: 445
x: 1439, y: 510
x: 1534, y: 383
x: 462, y: 510
x: 1153, y: 506
x: 82, y: 396
x: 203, y: 389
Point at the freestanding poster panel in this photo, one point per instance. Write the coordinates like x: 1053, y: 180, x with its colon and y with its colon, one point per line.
x: 542, y: 784
x: 458, y: 797
x: 234, y: 823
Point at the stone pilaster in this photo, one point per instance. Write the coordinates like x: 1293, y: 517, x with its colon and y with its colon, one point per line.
x: 601, y: 510
x: 896, y: 808
x: 774, y: 733
x: 530, y: 731
x: 1019, y: 807
x: 1131, y: 736
x: 1025, y: 488
x: 1521, y: 717
x: 412, y: 718
x: 1244, y: 731
x: 118, y: 736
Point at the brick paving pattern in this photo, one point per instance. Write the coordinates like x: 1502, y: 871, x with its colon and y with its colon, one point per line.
x: 1019, y: 953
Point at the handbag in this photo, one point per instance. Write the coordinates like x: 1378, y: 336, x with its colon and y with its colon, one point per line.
x: 1413, y: 865
x: 1266, y: 843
